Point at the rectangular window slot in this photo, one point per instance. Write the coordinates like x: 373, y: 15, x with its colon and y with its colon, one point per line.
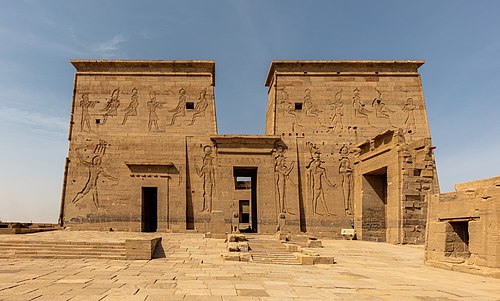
x: 190, y: 105
x: 298, y: 106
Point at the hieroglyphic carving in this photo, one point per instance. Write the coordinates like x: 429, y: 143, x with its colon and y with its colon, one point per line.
x: 201, y: 106
x: 311, y: 109
x: 381, y: 110
x: 282, y: 171
x: 346, y: 171
x: 207, y: 173
x: 180, y: 109
x: 153, y: 105
x: 131, y: 109
x: 289, y: 108
x: 337, y: 107
x: 95, y: 170
x: 409, y: 109
x: 85, y: 103
x: 111, y: 106
x: 359, y: 106
x: 315, y: 176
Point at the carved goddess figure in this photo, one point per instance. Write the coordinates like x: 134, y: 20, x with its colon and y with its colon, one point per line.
x: 316, y: 174
x: 95, y: 170
x: 85, y: 103
x: 381, y: 110
x: 282, y: 172
x: 180, y: 109
x: 336, y: 106
x: 207, y: 173
x: 201, y: 106
x: 359, y: 106
x: 131, y: 109
x: 112, y: 106
x: 346, y: 170
x: 153, y: 105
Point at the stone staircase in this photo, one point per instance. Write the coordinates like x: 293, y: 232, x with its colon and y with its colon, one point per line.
x: 61, y: 249
x: 270, y: 250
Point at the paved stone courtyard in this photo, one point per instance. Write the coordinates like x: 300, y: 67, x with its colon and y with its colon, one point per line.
x: 194, y: 270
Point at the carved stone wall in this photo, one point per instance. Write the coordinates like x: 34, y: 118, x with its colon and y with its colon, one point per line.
x: 148, y: 128
x: 392, y: 184
x: 334, y: 106
x: 128, y: 130
x: 463, y: 228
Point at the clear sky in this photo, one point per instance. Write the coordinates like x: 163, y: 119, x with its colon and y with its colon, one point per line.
x: 459, y: 40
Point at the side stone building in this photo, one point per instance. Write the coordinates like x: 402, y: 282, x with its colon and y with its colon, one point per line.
x: 346, y: 145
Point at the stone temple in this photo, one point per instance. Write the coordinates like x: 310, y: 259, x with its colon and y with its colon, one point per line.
x: 346, y: 145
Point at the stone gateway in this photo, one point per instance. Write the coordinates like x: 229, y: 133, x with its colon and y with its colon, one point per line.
x: 347, y: 145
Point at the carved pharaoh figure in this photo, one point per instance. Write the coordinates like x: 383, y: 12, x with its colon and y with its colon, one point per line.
x: 112, y: 105
x: 153, y: 105
x: 201, y: 106
x: 282, y: 171
x: 409, y: 109
x: 85, y: 103
x: 346, y: 171
x: 288, y: 108
x: 311, y: 109
x: 131, y: 109
x: 207, y: 173
x: 180, y: 109
x: 337, y: 108
x: 316, y: 174
x: 95, y: 171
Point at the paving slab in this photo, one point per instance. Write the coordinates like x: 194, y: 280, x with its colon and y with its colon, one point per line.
x: 364, y: 271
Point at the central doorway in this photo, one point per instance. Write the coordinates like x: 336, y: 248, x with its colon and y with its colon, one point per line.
x: 149, y: 217
x: 245, y: 178
x: 374, y: 214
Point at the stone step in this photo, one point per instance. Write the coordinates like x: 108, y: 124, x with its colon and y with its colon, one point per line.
x: 270, y: 251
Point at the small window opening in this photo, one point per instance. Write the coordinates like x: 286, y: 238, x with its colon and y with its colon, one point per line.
x: 97, y: 121
x: 190, y: 105
x: 243, y: 183
x: 417, y: 172
x: 298, y: 106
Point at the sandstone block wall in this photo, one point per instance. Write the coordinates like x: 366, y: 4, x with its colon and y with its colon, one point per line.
x: 464, y: 228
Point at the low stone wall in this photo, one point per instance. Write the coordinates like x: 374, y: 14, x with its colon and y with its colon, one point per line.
x: 141, y: 249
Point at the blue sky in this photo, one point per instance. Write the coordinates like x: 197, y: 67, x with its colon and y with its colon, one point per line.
x: 459, y: 40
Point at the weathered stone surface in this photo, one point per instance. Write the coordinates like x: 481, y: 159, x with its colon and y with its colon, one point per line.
x: 145, y: 154
x: 464, y: 227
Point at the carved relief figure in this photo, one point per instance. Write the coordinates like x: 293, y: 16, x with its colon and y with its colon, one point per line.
x: 131, y: 109
x: 359, y: 106
x: 208, y: 174
x: 311, y: 109
x: 381, y: 110
x: 180, y: 110
x: 153, y: 105
x: 95, y: 170
x: 112, y: 105
x: 336, y: 106
x: 289, y: 108
x: 316, y: 174
x: 282, y: 171
x: 409, y: 109
x: 201, y: 106
x: 85, y: 103
x: 346, y: 171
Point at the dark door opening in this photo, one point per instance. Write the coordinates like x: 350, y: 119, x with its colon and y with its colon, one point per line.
x: 374, y: 214
x: 149, y: 220
x: 457, y: 239
x: 245, y: 178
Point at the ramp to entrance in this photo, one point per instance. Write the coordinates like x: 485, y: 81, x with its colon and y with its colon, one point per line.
x: 267, y: 249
